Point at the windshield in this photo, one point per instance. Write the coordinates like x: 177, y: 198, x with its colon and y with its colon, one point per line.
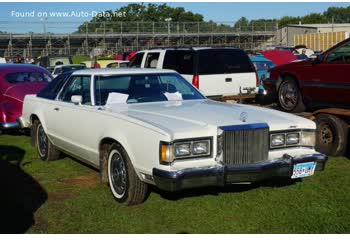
x: 140, y: 88
x: 263, y: 65
x: 21, y: 77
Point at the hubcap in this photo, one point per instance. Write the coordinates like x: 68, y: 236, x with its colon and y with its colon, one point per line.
x: 289, y: 95
x: 42, y: 141
x: 326, y: 134
x: 118, y: 173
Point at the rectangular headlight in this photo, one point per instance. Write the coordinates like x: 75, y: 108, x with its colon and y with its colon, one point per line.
x: 182, y: 149
x: 201, y: 147
x: 308, y: 138
x: 189, y: 148
x: 277, y: 140
x: 292, y: 138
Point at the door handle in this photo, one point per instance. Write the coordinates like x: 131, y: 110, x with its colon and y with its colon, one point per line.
x: 56, y: 109
x: 228, y: 79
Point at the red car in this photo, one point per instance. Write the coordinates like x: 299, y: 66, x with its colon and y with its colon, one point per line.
x: 16, y: 81
x: 316, y: 83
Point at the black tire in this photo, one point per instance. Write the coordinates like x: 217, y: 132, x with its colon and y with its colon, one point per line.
x: 46, y: 150
x: 331, y: 135
x: 124, y: 183
x: 289, y: 96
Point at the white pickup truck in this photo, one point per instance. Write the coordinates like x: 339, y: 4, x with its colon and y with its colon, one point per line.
x: 148, y: 126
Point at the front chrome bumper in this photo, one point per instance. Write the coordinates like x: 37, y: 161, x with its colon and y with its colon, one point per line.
x: 220, y: 175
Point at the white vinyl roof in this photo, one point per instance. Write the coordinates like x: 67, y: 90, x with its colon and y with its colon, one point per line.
x: 104, y: 71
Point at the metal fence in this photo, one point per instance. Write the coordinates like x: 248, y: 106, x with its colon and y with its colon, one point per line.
x: 74, y: 38
x: 46, y: 27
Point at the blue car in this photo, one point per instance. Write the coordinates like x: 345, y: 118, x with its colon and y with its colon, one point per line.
x: 262, y: 66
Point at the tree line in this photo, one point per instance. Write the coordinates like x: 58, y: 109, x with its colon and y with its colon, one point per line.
x: 144, y: 14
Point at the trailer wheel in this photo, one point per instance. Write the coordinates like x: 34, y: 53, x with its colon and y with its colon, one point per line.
x: 331, y: 135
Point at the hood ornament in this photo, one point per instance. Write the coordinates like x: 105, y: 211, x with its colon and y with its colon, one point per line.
x: 243, y: 116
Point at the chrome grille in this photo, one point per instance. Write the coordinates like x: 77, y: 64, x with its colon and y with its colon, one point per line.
x: 245, y: 144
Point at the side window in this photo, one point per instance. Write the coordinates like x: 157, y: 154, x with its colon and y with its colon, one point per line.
x: 152, y: 60
x: 136, y: 61
x: 79, y: 85
x: 340, y: 55
x: 180, y: 61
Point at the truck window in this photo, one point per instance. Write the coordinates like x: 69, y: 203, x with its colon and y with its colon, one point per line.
x: 136, y: 61
x: 223, y: 61
x: 152, y: 60
x: 179, y: 60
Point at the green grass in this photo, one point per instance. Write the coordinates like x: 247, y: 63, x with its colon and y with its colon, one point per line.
x: 74, y: 201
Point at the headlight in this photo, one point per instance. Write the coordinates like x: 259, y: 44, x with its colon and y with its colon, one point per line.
x: 277, y: 140
x: 201, y: 147
x: 308, y: 138
x: 303, y: 138
x: 292, y: 138
x: 168, y: 152
x: 182, y: 149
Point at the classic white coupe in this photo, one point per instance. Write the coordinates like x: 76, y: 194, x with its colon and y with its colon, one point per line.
x: 147, y: 126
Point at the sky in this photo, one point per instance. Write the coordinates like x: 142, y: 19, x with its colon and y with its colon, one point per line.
x: 216, y: 11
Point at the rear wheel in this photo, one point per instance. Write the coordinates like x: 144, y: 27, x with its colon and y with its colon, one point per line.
x: 289, y: 96
x: 46, y: 150
x: 124, y: 183
x: 331, y: 135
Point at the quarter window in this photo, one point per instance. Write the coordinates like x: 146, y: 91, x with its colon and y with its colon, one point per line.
x: 79, y: 85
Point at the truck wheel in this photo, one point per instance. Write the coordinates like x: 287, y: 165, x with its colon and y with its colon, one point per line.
x: 46, y: 150
x: 289, y: 96
x: 331, y: 135
x: 124, y: 183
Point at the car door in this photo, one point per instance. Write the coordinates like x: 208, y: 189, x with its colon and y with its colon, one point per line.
x: 328, y: 80
x: 71, y: 122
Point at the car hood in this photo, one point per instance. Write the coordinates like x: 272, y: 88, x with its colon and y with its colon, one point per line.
x: 186, y: 115
x: 20, y: 90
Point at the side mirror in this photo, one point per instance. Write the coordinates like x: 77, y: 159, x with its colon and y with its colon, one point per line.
x: 76, y: 99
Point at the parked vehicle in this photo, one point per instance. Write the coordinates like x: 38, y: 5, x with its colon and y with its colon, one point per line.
x: 146, y: 126
x: 67, y: 68
x: 103, y: 62
x: 49, y: 62
x: 87, y: 64
x: 16, y: 81
x: 262, y: 66
x: 118, y: 64
x: 280, y: 57
x: 320, y: 83
x: 216, y: 72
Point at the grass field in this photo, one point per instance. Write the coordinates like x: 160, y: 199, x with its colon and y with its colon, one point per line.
x: 66, y: 196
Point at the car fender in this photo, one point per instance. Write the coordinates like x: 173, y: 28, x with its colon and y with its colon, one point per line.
x: 137, y: 149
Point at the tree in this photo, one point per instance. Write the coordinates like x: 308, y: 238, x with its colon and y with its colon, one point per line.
x: 340, y: 14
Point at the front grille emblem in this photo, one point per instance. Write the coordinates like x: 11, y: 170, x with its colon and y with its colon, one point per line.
x: 243, y: 116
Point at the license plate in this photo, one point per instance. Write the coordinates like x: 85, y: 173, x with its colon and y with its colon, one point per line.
x: 301, y: 170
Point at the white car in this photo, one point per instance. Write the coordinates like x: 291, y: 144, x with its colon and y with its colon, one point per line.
x: 59, y: 69
x: 216, y: 72
x: 149, y: 126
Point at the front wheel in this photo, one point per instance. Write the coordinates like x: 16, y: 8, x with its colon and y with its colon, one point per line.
x: 124, y: 183
x: 331, y: 135
x: 289, y: 96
